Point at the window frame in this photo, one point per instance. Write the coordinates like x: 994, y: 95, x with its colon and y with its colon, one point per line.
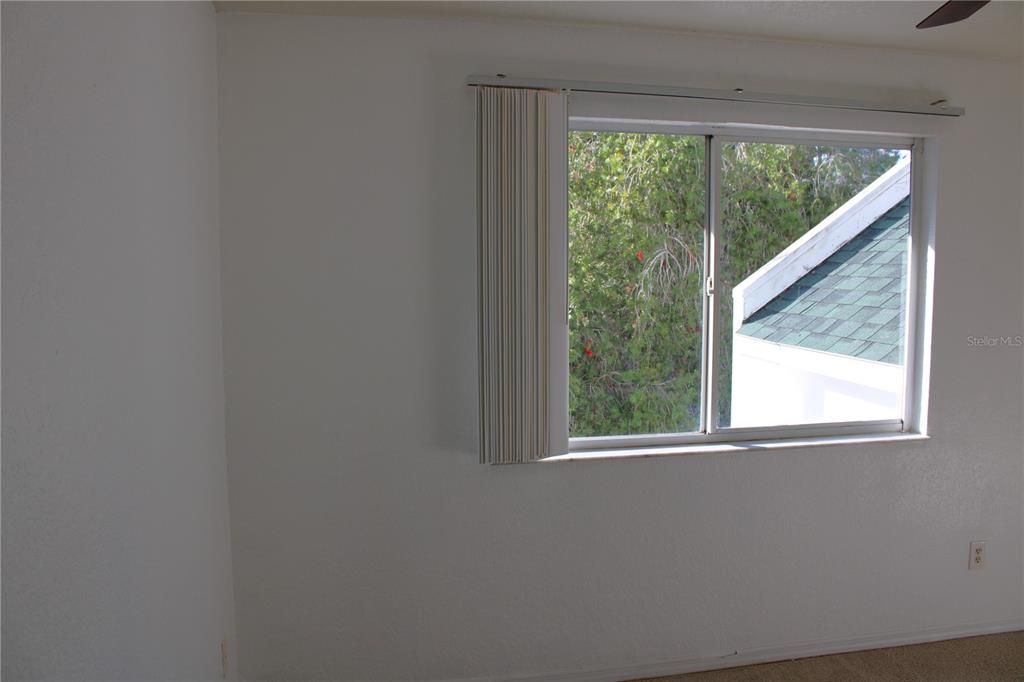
x: 832, y: 128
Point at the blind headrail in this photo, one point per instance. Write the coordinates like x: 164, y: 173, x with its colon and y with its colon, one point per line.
x: 939, y: 107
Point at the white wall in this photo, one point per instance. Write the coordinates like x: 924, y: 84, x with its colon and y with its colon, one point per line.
x: 1021, y: 190
x: 368, y: 542
x: 774, y: 383
x: 116, y: 552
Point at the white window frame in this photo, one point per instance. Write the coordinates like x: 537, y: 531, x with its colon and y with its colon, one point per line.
x: 723, y: 122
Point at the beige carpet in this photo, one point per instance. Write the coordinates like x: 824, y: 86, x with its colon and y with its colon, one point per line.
x: 992, y: 658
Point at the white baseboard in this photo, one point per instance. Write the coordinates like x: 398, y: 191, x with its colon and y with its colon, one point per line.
x: 763, y: 655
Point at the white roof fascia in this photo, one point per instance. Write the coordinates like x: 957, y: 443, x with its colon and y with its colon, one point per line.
x: 820, y: 242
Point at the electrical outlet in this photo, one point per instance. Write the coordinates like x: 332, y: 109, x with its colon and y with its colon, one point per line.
x: 977, y: 555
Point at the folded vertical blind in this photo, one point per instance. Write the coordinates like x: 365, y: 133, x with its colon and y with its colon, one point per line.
x: 515, y: 273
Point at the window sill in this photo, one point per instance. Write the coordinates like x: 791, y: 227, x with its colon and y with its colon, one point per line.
x: 738, y: 446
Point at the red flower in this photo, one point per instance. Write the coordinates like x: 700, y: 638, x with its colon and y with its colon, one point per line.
x: 640, y: 256
x: 586, y: 351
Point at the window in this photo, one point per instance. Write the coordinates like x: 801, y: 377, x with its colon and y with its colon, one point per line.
x: 733, y: 273
x: 636, y: 279
x: 809, y: 291
x: 738, y: 283
x: 811, y: 284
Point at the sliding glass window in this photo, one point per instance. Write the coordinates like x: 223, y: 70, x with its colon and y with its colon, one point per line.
x: 636, y: 273
x: 721, y: 286
x: 811, y: 284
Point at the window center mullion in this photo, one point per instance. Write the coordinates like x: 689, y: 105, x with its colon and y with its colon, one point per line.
x: 712, y: 249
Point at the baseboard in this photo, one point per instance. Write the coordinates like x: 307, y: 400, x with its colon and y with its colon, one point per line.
x: 764, y: 655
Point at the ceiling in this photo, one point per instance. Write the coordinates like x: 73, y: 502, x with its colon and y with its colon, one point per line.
x: 995, y: 32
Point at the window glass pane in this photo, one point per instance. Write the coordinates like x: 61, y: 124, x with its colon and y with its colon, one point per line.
x: 636, y: 259
x: 811, y: 284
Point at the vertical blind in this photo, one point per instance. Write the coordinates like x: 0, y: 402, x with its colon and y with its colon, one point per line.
x: 514, y: 127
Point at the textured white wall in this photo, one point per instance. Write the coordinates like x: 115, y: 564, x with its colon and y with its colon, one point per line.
x: 1021, y: 191
x: 116, y: 552
x: 369, y: 544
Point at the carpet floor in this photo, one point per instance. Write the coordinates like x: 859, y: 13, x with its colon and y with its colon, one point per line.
x: 990, y: 658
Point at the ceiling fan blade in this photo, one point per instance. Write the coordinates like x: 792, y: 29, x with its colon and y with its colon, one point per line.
x: 952, y: 12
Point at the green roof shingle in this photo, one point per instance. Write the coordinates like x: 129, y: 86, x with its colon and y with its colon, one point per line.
x: 853, y: 303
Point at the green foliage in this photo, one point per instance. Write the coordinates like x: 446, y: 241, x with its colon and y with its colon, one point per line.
x: 636, y: 255
x: 636, y: 245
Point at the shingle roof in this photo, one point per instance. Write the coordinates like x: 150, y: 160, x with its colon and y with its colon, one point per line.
x: 853, y: 303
